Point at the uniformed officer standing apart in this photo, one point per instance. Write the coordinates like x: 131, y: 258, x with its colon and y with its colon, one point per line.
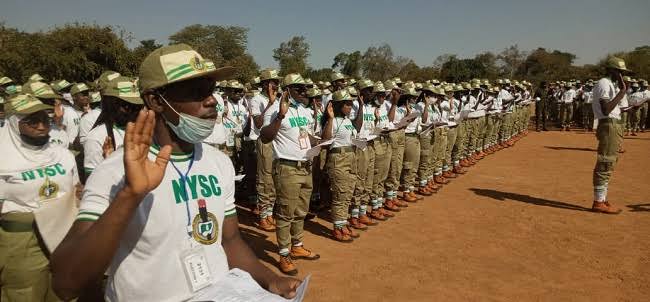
x: 606, y: 105
x: 541, y: 101
x: 289, y: 125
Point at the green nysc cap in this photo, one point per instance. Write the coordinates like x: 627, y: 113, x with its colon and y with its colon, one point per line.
x: 176, y: 63
x: 25, y: 104
x: 40, y: 90
x: 123, y: 88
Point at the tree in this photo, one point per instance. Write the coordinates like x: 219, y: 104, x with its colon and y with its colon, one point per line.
x: 378, y: 63
x: 142, y: 51
x: 543, y: 65
x: 316, y: 75
x: 292, y: 55
x: 510, y: 59
x: 225, y: 45
x: 349, y: 64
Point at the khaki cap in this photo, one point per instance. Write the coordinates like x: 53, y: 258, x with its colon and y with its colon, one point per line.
x: 314, y: 92
x: 616, y: 63
x: 60, y: 85
x: 379, y: 87
x: 269, y: 74
x: 352, y: 91
x: 429, y: 87
x: 176, y: 63
x: 35, y: 78
x: 342, y: 95
x: 25, y: 104
x: 293, y: 79
x: 124, y: 88
x: 365, y: 83
x: 104, y: 78
x: 397, y: 80
x: 336, y: 76
x: 411, y: 91
x: 40, y: 90
x: 78, y: 88
x: 435, y: 82
x: 5, y: 80
x: 351, y: 82
x: 234, y: 84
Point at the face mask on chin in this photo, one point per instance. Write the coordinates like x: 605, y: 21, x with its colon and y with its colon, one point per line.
x: 190, y: 128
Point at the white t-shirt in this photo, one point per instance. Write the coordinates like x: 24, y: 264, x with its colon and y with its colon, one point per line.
x: 258, y: 103
x: 342, y: 132
x: 93, y: 152
x: 568, y: 96
x: 636, y: 98
x: 237, y: 115
x: 413, y: 126
x: 219, y: 134
x: 23, y: 191
x: 71, y: 122
x: 286, y: 144
x: 147, y: 265
x: 58, y: 137
x: 368, y: 126
x: 605, y: 90
x: 86, y: 123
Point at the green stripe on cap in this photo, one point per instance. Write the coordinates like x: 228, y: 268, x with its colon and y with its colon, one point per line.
x: 175, y: 69
x: 181, y: 73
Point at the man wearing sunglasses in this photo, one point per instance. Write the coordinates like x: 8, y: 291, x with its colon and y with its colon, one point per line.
x: 289, y: 125
x: 158, y: 215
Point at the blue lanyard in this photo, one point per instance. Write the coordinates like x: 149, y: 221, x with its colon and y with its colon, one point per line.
x: 185, y: 195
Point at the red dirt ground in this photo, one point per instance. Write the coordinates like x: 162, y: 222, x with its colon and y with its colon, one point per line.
x: 517, y: 227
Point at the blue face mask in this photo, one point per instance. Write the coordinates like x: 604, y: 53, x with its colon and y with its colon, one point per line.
x: 190, y: 128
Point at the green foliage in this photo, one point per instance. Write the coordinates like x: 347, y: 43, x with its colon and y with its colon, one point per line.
x: 292, y: 55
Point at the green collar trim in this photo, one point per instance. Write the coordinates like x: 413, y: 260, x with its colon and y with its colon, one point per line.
x: 175, y: 156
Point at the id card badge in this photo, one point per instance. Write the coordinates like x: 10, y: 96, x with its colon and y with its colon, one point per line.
x: 196, y: 268
x: 303, y: 139
x: 231, y: 139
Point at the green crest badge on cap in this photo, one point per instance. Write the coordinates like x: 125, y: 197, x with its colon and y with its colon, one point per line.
x: 176, y: 63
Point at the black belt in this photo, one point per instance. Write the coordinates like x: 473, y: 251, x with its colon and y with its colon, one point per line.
x: 294, y: 163
x: 341, y: 150
x: 412, y: 134
x: 17, y: 222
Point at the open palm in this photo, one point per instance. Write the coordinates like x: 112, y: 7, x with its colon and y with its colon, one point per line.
x: 142, y: 174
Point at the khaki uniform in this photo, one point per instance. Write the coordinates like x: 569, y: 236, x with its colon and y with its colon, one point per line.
x: 293, y: 186
x: 342, y: 171
x: 365, y: 173
x: 439, y: 149
x: 610, y: 135
x: 452, y: 134
x: 411, y: 161
x: 383, y: 155
x: 265, y: 182
x: 397, y: 139
x: 425, y: 169
x: 24, y: 267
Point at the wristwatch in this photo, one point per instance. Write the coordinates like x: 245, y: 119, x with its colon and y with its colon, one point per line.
x: 279, y: 117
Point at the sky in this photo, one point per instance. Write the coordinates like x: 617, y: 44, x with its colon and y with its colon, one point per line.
x: 421, y: 30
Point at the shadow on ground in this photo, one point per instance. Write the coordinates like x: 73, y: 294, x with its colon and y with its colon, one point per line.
x: 498, y: 195
x: 644, y: 207
x: 570, y: 148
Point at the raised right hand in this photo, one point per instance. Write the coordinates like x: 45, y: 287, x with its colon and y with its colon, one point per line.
x: 270, y: 92
x: 284, y: 103
x: 143, y: 175
x: 394, y: 96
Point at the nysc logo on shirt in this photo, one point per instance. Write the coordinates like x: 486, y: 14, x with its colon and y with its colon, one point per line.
x: 298, y: 121
x: 201, y: 186
x: 51, y: 170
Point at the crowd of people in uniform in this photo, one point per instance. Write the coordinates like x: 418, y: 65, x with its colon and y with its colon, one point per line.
x: 158, y: 161
x: 569, y: 104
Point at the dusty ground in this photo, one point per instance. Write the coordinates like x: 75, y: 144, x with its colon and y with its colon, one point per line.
x: 516, y: 228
